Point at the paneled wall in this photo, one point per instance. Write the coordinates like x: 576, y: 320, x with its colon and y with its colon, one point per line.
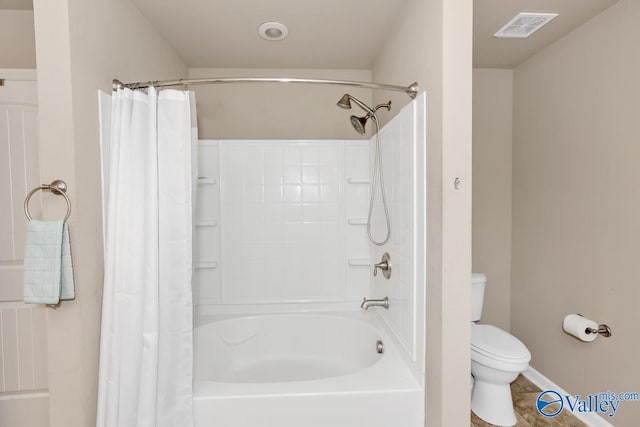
x: 281, y: 221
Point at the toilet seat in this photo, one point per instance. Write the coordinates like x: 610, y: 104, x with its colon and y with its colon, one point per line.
x: 496, y: 344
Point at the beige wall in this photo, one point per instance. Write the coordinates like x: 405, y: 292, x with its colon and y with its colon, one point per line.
x: 27, y: 412
x: 431, y: 43
x: 276, y: 111
x: 81, y: 46
x: 492, y: 137
x: 576, y: 206
x: 17, y: 42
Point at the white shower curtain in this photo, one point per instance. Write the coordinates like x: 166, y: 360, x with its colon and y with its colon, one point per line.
x: 146, y: 349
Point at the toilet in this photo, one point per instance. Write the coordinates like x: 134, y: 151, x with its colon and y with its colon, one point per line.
x: 497, y: 358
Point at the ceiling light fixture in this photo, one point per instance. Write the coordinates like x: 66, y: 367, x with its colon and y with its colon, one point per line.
x: 525, y: 24
x: 273, y: 31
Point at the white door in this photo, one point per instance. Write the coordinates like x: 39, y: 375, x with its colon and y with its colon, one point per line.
x: 23, y: 354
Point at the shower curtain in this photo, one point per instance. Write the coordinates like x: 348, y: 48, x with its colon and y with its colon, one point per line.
x: 146, y: 349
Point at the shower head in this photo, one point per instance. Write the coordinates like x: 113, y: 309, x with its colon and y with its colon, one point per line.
x: 359, y: 123
x: 345, y: 102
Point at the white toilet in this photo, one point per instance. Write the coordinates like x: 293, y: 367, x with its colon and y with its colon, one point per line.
x: 497, y: 358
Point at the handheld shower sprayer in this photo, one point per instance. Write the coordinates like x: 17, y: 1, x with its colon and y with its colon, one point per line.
x: 358, y: 124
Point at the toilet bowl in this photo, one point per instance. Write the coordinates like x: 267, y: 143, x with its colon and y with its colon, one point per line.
x: 497, y: 358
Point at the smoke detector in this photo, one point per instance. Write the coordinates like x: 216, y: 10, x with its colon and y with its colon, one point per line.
x: 524, y: 24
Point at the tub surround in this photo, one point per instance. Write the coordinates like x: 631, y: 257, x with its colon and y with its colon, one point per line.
x: 281, y: 229
x: 402, y: 148
x: 281, y: 222
x: 284, y: 223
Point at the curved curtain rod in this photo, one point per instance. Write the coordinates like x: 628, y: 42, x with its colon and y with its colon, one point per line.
x: 411, y: 90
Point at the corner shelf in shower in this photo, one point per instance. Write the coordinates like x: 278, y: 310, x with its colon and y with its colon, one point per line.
x: 358, y: 180
x: 207, y: 223
x: 206, y: 265
x: 357, y: 221
x: 203, y: 180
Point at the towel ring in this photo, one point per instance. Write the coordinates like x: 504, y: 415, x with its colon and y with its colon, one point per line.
x: 58, y: 187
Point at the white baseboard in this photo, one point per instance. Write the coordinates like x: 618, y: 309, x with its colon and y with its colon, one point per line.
x: 544, y: 383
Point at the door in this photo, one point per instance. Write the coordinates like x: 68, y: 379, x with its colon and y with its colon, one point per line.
x: 23, y: 344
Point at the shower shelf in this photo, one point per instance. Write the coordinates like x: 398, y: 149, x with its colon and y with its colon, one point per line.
x: 204, y: 180
x: 206, y: 265
x: 358, y: 180
x: 359, y: 262
x: 357, y: 221
x: 207, y: 223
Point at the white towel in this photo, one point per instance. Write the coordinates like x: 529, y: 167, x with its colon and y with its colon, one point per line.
x: 48, y: 272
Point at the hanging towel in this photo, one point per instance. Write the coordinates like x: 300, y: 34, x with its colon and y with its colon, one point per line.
x: 48, y: 272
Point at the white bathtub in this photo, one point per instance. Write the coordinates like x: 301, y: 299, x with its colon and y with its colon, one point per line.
x: 301, y: 370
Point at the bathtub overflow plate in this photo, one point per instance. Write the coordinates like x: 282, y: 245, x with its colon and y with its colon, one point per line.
x: 379, y: 347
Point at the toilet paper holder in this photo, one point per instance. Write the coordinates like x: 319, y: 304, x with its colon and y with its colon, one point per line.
x: 603, y: 330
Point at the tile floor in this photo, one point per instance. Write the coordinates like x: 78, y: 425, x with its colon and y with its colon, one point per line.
x: 524, y: 402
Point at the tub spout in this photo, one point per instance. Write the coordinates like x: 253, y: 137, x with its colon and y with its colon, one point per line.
x: 366, y: 303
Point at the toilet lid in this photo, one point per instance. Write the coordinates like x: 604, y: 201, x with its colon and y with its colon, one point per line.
x: 494, y: 342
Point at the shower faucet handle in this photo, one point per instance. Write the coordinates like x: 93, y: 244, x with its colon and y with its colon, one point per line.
x: 384, y: 266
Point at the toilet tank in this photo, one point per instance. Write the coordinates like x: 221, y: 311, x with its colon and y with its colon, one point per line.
x: 478, y: 282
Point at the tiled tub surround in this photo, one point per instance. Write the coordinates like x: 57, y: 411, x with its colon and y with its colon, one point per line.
x: 281, y: 222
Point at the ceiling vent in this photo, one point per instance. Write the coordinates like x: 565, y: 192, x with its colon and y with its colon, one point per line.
x: 525, y: 24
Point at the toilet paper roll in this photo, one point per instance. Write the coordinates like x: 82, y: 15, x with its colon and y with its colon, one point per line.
x: 577, y: 325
